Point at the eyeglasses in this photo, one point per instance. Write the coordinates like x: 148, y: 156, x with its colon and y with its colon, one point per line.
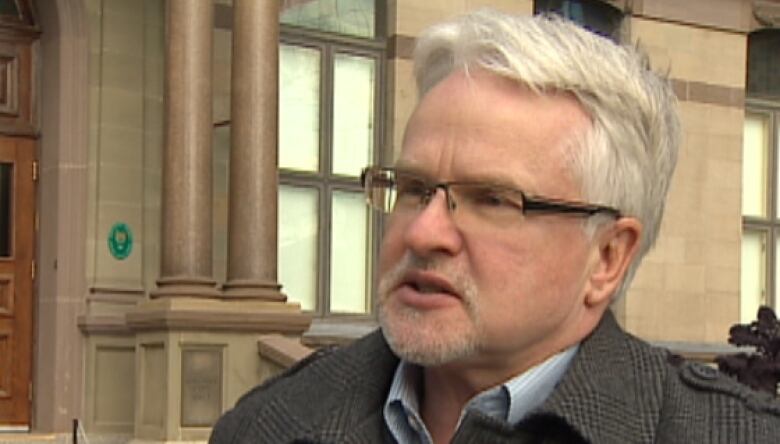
x: 394, y: 191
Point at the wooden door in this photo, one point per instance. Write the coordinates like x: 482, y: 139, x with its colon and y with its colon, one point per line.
x: 17, y: 231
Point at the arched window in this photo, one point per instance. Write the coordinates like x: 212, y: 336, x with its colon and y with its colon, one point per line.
x: 594, y: 15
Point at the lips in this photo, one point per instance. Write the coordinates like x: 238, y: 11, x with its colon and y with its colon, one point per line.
x: 426, y: 290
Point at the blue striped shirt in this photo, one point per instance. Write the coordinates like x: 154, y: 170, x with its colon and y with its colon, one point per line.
x: 509, y: 402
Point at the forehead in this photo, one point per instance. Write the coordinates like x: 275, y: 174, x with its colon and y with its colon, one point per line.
x: 478, y: 125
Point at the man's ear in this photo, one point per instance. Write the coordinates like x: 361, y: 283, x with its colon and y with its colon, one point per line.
x: 616, y: 246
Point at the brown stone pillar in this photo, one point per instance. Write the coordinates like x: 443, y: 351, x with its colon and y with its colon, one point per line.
x: 252, y: 239
x: 186, y: 268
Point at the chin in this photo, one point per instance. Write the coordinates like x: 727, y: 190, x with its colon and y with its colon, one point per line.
x: 425, y: 342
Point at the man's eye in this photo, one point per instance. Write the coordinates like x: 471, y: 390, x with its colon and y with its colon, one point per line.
x: 489, y: 198
x: 486, y: 197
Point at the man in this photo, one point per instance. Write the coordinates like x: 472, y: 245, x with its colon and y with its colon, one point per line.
x: 531, y: 181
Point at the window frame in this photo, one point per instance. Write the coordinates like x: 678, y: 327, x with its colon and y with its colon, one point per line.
x: 596, y: 7
x: 768, y: 226
x: 323, y: 180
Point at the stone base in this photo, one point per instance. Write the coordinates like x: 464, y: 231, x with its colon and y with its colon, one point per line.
x: 195, y: 357
x: 253, y: 289
x: 166, y: 369
x: 185, y: 287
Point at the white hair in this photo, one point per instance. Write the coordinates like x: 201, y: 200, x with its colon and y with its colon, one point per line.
x: 628, y: 156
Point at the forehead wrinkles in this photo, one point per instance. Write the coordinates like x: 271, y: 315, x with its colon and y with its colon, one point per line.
x: 461, y: 119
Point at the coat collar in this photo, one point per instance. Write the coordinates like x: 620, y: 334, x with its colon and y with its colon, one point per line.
x: 337, y: 397
x: 613, y: 391
x: 606, y: 395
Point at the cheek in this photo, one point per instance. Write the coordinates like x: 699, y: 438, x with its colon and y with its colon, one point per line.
x: 392, y: 248
x: 535, y: 270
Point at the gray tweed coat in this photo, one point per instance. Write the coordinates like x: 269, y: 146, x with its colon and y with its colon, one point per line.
x: 617, y: 390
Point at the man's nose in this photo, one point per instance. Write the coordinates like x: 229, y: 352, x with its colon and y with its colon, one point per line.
x: 433, y: 229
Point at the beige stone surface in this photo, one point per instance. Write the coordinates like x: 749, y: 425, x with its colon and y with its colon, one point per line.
x: 414, y: 16
x: 122, y: 27
x: 110, y: 384
x: 243, y: 368
x: 733, y: 15
x: 688, y: 288
x: 126, y: 78
x: 692, y: 53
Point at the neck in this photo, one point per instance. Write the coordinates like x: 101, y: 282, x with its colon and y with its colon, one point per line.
x: 443, y: 399
x: 446, y: 390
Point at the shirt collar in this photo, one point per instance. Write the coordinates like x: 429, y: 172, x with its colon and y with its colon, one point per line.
x: 509, y: 402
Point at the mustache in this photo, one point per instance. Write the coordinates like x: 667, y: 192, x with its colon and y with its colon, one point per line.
x: 459, y: 278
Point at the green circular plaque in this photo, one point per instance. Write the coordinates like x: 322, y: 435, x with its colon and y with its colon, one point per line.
x: 120, y: 241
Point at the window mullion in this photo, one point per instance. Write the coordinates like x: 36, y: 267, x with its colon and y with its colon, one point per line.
x: 771, y: 187
x: 771, y: 297
x: 771, y: 258
x: 326, y: 154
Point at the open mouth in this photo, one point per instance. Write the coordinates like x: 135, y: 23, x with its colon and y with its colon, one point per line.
x: 426, y: 282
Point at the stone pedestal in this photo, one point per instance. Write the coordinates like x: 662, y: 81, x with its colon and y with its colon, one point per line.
x: 195, y: 357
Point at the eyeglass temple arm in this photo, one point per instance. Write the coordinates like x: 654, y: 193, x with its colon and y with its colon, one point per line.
x: 567, y: 207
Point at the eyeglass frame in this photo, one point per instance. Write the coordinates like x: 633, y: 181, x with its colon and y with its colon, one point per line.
x: 535, y: 204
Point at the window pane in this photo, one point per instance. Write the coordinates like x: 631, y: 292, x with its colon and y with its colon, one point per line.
x: 776, y: 152
x: 754, y: 165
x: 298, y: 223
x: 595, y: 16
x: 753, y: 275
x: 349, y: 257
x: 352, y: 17
x: 353, y: 114
x: 299, y: 108
x: 764, y: 63
x: 777, y: 275
x: 6, y: 208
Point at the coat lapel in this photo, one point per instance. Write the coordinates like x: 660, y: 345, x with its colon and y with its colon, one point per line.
x: 613, y: 390
x: 348, y: 388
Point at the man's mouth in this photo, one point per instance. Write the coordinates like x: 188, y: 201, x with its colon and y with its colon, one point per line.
x: 426, y: 282
x: 427, y: 288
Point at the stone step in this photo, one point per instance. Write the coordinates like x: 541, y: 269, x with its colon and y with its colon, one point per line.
x: 32, y: 438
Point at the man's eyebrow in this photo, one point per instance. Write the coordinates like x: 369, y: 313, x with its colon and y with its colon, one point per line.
x: 497, y: 180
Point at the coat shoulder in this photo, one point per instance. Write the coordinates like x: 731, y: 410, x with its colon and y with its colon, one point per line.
x: 709, y: 381
x: 237, y: 423
x: 300, y: 397
x: 700, y: 400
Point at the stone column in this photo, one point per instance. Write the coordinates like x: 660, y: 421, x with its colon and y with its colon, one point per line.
x: 252, y: 239
x: 186, y: 262
x: 195, y: 356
